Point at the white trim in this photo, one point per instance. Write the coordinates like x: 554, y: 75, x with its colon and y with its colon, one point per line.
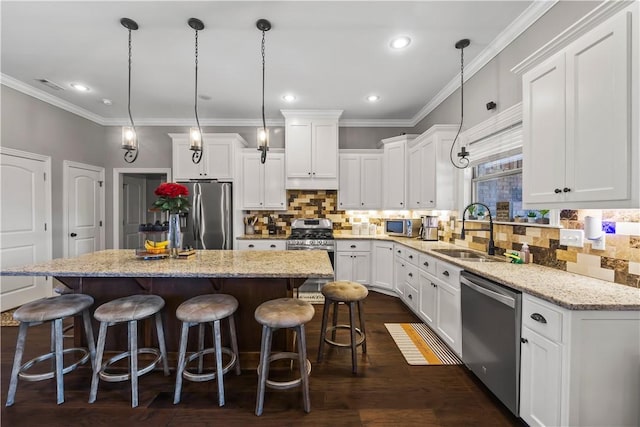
x: 376, y: 123
x: 20, y: 86
x: 117, y: 182
x: 312, y: 114
x: 599, y: 14
x: 501, y: 121
x: 517, y: 27
x: 191, y: 122
x: 66, y: 165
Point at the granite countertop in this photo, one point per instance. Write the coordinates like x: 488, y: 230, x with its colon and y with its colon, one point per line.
x: 209, y: 263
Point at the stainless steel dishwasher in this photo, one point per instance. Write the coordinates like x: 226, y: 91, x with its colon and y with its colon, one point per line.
x: 491, y: 319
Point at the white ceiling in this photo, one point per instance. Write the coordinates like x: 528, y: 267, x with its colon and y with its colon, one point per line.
x: 331, y: 55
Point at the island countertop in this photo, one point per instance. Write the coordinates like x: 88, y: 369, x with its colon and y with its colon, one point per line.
x: 205, y: 264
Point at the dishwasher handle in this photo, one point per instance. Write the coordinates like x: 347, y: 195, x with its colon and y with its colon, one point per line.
x: 500, y: 297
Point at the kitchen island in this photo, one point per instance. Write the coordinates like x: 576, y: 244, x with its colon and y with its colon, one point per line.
x: 251, y: 276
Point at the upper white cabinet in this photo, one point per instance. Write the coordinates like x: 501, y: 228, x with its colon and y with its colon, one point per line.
x: 360, y: 179
x: 263, y: 184
x: 431, y: 178
x: 580, y: 121
x: 311, y: 148
x: 394, y: 171
x: 218, y: 156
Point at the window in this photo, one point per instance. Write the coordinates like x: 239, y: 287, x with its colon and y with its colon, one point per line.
x: 499, y: 180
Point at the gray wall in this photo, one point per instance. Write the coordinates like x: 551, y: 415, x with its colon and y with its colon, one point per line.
x: 37, y: 127
x: 495, y: 82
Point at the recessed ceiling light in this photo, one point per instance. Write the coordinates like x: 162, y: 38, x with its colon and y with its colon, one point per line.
x: 289, y: 98
x: 80, y: 87
x: 400, y: 42
x: 106, y: 101
x: 373, y: 98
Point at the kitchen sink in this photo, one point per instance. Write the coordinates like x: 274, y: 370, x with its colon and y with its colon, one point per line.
x: 467, y: 255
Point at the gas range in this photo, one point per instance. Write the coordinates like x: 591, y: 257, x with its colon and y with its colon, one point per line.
x: 311, y: 234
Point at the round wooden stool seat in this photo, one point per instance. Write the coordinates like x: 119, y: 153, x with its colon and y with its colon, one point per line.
x: 207, y: 308
x: 284, y: 313
x: 52, y: 308
x: 344, y: 291
x: 127, y: 309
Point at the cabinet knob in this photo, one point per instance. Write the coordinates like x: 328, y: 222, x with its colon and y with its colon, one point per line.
x: 410, y: 274
x: 410, y: 296
x: 538, y: 318
x: 445, y: 273
x: 426, y: 264
x: 524, y: 340
x: 362, y: 203
x: 309, y: 173
x: 430, y: 201
x: 410, y: 256
x: 566, y: 190
x: 272, y: 246
x: 251, y: 246
x: 434, y: 285
x: 260, y: 203
x: 73, y: 234
x: 314, y: 173
x: 557, y: 191
x: 353, y: 246
x: 399, y: 251
x: 401, y: 203
x: 417, y: 203
x: 281, y: 203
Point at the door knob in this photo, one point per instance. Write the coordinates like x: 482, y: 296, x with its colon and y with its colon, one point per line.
x: 557, y: 190
x: 524, y: 340
x: 73, y: 234
x: 566, y: 190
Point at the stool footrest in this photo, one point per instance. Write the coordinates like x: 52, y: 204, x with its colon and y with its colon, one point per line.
x: 359, y: 341
x: 212, y: 375
x: 48, y: 375
x: 283, y: 385
x: 126, y: 376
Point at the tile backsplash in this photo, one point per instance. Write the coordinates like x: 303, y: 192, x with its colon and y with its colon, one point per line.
x: 619, y: 262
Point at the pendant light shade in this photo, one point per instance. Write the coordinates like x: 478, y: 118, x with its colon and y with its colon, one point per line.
x: 129, y: 135
x: 263, y: 133
x: 195, y: 134
x: 463, y: 160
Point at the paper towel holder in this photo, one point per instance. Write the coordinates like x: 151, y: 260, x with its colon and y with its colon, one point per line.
x: 593, y: 232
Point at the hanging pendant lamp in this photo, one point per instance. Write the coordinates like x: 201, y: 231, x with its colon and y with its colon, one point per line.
x: 463, y: 160
x: 195, y: 134
x: 129, y: 135
x: 263, y: 133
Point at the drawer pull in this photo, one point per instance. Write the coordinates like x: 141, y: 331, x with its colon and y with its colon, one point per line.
x: 426, y: 264
x: 538, y: 318
x: 524, y: 340
x: 445, y: 273
x: 251, y: 246
x: 272, y: 246
x: 353, y: 246
x: 410, y: 274
x: 410, y: 296
x: 410, y: 256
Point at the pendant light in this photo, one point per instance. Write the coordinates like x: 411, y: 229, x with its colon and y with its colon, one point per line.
x: 129, y: 134
x: 263, y: 133
x: 195, y: 134
x: 463, y: 161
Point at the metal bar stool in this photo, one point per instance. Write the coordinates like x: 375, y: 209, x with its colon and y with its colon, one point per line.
x: 128, y: 309
x: 199, y: 311
x: 54, y: 310
x: 277, y: 314
x: 352, y: 294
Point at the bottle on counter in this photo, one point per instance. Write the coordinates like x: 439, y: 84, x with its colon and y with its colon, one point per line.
x: 525, y: 253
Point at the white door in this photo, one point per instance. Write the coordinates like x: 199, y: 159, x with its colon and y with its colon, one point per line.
x: 428, y: 299
x: 85, y: 208
x: 133, y: 210
x: 394, y: 169
x: 449, y: 322
x: 298, y: 149
x: 275, y: 195
x: 344, y: 265
x: 428, y: 177
x: 252, y: 182
x: 349, y: 191
x: 25, y: 224
x: 362, y: 267
x: 382, y: 265
x: 371, y: 182
x: 325, y: 149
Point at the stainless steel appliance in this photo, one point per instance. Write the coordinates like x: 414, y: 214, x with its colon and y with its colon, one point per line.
x: 429, y: 227
x: 207, y: 225
x: 312, y: 234
x: 402, y: 227
x: 491, y: 319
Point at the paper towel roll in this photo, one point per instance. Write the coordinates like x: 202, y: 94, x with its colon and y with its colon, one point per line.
x: 592, y: 227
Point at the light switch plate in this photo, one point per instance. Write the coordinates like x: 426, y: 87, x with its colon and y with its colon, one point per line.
x: 572, y: 237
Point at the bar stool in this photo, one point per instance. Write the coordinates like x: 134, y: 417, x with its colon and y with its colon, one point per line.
x: 54, y: 310
x: 277, y: 314
x: 129, y: 309
x: 350, y: 293
x: 198, y: 311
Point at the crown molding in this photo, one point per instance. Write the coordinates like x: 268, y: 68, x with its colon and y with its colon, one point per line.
x: 322, y: 114
x: 501, y: 121
x: 191, y: 122
x: 508, y: 35
x: 20, y: 86
x: 375, y: 123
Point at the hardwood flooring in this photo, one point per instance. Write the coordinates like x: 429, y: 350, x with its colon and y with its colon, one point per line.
x: 385, y: 392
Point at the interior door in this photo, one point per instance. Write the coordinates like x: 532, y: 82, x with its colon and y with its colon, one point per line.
x: 84, y: 208
x: 133, y: 209
x: 24, y: 235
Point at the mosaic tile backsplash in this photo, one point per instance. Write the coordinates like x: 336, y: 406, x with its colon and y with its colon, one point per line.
x: 619, y: 262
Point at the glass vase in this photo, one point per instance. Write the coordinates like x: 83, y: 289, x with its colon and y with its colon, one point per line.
x: 175, y: 235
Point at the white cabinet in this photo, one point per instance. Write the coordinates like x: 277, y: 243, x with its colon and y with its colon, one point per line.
x: 448, y: 315
x: 353, y: 261
x: 431, y: 178
x: 394, y: 171
x: 262, y: 245
x: 360, y: 179
x: 218, y: 156
x: 263, y: 184
x: 382, y: 265
x: 563, y: 380
x: 311, y: 148
x: 579, y: 121
x: 428, y: 299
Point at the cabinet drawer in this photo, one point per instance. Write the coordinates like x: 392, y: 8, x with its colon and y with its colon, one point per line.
x: 398, y: 250
x: 428, y: 264
x: 412, y: 275
x: 262, y: 245
x: 411, y: 296
x: 412, y: 256
x: 542, y: 318
x: 353, y: 245
x: 448, y: 273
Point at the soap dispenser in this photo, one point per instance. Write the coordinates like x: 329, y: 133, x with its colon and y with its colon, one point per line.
x: 525, y: 253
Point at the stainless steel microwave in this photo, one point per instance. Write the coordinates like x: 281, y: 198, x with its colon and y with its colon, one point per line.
x: 402, y: 227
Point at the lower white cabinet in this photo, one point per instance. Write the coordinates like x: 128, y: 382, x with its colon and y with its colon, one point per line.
x: 448, y: 315
x: 353, y: 261
x: 382, y: 265
x: 400, y: 272
x: 262, y: 245
x: 428, y: 299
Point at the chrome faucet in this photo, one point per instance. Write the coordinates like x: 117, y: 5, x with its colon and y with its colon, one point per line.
x: 491, y: 250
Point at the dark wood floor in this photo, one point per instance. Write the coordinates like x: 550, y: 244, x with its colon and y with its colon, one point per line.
x: 386, y: 391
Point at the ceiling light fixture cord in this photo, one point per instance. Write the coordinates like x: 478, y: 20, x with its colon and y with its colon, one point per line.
x: 130, y: 156
x: 197, y: 155
x: 263, y: 155
x: 464, y: 161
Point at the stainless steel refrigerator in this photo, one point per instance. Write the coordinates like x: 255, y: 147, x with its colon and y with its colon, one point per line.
x: 208, y: 223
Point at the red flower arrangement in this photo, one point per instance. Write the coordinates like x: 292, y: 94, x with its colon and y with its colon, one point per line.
x: 172, y: 197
